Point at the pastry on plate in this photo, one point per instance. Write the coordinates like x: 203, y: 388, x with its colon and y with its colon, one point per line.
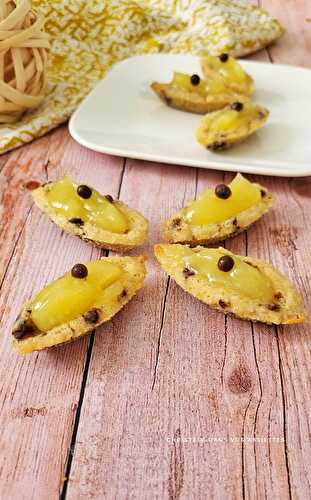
x: 82, y: 211
x: 219, y: 213
x: 244, y: 286
x: 230, y: 71
x: 73, y: 305
x: 229, y: 126
x: 196, y: 95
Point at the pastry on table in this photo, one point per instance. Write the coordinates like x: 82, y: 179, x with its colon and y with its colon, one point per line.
x: 73, y: 305
x: 246, y: 287
x: 219, y: 213
x: 229, y: 126
x: 229, y: 71
x: 82, y: 211
x: 195, y: 95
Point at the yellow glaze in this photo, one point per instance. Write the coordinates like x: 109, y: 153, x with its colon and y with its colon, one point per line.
x: 68, y: 297
x: 96, y: 210
x: 243, y: 279
x: 209, y: 209
x: 226, y: 127
x: 205, y: 87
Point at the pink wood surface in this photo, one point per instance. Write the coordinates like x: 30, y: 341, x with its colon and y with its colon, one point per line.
x: 120, y: 414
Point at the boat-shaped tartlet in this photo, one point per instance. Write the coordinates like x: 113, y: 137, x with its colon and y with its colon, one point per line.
x: 229, y: 71
x: 193, y: 94
x: 82, y: 211
x: 223, y: 129
x: 246, y: 287
x: 219, y: 213
x: 73, y: 305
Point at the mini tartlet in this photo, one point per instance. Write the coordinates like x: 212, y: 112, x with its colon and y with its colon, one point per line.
x: 246, y: 287
x: 81, y: 211
x: 72, y: 306
x: 230, y: 71
x: 219, y: 213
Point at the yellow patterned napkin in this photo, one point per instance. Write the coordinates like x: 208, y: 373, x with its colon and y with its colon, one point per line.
x: 89, y: 36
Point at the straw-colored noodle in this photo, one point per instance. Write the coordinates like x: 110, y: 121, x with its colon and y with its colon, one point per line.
x: 23, y: 57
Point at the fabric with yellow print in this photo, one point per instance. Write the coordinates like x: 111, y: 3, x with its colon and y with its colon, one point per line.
x: 89, y: 36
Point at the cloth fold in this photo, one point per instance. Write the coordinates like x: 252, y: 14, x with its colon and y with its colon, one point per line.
x: 89, y: 36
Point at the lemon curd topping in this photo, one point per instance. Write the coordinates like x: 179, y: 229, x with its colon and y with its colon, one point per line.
x: 69, y: 297
x: 210, y: 208
x: 88, y: 206
x: 241, y: 278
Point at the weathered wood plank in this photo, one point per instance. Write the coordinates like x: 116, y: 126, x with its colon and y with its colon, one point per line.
x: 250, y: 407
x: 287, y: 245
x: 18, y: 169
x: 39, y: 393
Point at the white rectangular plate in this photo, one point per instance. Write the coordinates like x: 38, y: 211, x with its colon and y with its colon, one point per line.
x: 123, y: 117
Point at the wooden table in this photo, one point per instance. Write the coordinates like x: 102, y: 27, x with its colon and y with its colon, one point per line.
x: 169, y: 400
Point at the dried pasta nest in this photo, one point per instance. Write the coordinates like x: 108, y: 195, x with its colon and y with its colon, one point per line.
x: 23, y: 57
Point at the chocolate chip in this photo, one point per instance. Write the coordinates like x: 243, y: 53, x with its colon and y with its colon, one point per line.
x: 188, y: 272
x: 273, y: 307
x: 223, y: 304
x: 217, y: 146
x: 237, y: 106
x: 91, y: 316
x: 278, y: 296
x: 84, y: 191
x: 195, y: 80
x: 25, y: 328
x: 222, y: 191
x: 223, y: 57
x: 123, y: 294
x: 77, y: 221
x: 176, y: 222
x: 109, y: 198
x: 263, y: 193
x: 235, y: 221
x: 225, y: 263
x: 79, y: 271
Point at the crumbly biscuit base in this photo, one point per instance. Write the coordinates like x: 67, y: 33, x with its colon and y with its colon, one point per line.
x: 290, y: 305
